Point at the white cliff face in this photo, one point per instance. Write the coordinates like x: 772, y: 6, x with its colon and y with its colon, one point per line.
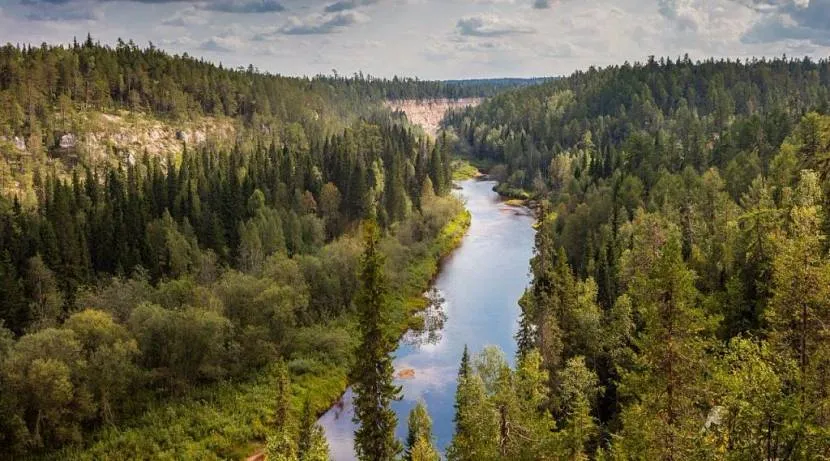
x: 430, y: 112
x: 132, y: 135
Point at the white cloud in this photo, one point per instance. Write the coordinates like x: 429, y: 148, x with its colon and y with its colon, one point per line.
x: 799, y: 20
x: 223, y: 44
x: 433, y: 38
x: 491, y: 25
x: 322, y: 23
x: 61, y: 11
x: 244, y: 6
x: 187, y: 17
x: 345, y: 5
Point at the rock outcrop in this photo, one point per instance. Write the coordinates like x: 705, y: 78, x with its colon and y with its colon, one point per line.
x: 131, y: 135
x: 68, y: 141
x: 430, y: 112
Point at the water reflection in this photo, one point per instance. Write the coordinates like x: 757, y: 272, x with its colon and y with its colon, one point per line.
x: 474, y: 303
x: 433, y: 318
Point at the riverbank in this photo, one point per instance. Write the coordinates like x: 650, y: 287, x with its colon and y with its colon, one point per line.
x: 329, y: 387
x: 467, y: 168
x: 479, y: 286
x: 231, y: 419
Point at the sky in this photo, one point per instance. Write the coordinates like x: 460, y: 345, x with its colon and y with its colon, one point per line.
x: 432, y: 39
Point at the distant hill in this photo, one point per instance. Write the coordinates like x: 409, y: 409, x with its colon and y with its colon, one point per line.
x: 405, y: 88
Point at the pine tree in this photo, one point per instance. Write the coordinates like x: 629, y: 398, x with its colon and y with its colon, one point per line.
x: 419, y: 443
x: 311, y: 444
x: 306, y: 428
x: 668, y: 376
x: 464, y: 369
x: 578, y: 389
x: 318, y: 447
x: 476, y: 423
x: 799, y: 315
x: 13, y: 308
x: 373, y: 374
x: 283, y: 397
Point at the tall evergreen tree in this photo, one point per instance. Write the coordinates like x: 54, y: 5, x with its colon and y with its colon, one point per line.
x: 419, y: 444
x: 668, y: 379
x: 374, y: 389
x: 14, y: 311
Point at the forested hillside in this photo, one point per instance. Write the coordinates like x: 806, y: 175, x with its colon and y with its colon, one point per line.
x: 398, y: 88
x: 159, y: 305
x: 679, y: 307
x: 99, y: 105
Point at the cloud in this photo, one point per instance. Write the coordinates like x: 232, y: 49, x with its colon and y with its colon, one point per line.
x: 346, y: 5
x: 245, y: 6
x: 187, y: 17
x: 61, y: 11
x: 801, y: 20
x: 322, y: 23
x: 683, y: 13
x: 537, y: 4
x: 490, y: 25
x: 223, y: 6
x: 52, y: 2
x: 178, y: 42
x: 222, y: 44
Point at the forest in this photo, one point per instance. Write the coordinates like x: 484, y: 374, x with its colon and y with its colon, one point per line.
x: 148, y: 305
x: 198, y: 305
x: 679, y: 305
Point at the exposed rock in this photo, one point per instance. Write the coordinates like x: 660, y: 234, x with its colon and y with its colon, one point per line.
x: 19, y: 143
x: 199, y: 137
x: 68, y: 141
x: 430, y: 112
x: 715, y: 416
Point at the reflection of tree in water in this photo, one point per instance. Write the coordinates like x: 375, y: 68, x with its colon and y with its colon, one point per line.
x: 434, y: 317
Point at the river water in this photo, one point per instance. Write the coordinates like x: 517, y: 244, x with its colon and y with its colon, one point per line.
x: 481, y: 283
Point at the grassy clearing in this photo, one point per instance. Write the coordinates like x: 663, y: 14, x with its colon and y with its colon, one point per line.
x: 515, y: 202
x: 463, y: 169
x: 512, y: 193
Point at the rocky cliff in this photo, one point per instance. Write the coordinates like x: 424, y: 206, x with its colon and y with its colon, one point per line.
x: 429, y: 112
x: 94, y: 139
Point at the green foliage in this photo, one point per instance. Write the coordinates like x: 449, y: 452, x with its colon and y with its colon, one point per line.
x: 463, y: 169
x: 419, y: 442
x: 173, y: 285
x: 373, y: 373
x: 678, y: 301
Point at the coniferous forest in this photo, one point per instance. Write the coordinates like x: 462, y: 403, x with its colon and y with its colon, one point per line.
x: 201, y: 303
x: 131, y: 286
x: 679, y: 305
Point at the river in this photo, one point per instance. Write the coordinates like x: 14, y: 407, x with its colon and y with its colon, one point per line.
x: 481, y: 283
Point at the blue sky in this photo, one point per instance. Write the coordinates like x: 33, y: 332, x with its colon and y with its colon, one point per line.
x: 432, y: 38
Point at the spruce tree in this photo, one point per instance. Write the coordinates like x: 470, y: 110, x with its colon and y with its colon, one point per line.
x: 306, y: 429
x: 668, y: 377
x: 13, y: 308
x: 374, y: 389
x: 311, y: 444
x: 283, y: 393
x: 419, y: 438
